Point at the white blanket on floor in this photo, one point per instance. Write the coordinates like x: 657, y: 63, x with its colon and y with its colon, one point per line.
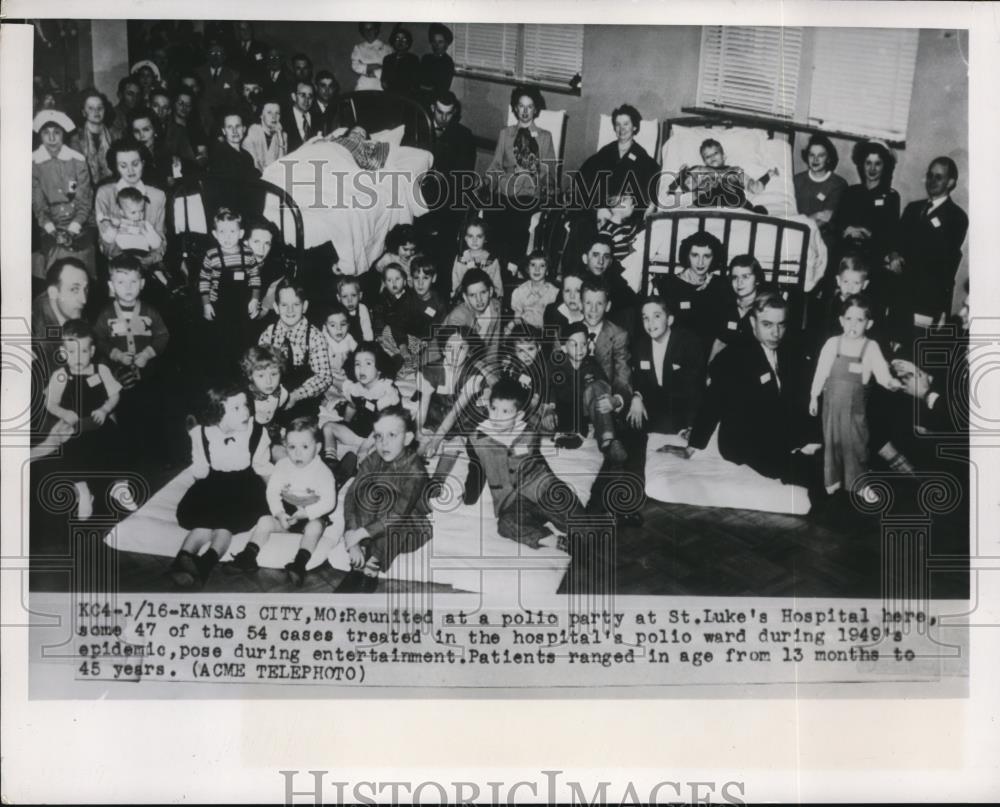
x: 342, y: 203
x: 465, y: 546
x: 707, y: 480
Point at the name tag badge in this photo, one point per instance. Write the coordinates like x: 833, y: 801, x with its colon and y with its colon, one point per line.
x: 370, y: 406
x: 520, y: 451
x: 443, y: 390
x: 936, y: 222
x: 93, y: 380
x: 765, y: 377
x: 430, y: 311
x: 685, y: 305
x: 855, y: 367
x: 524, y: 380
x: 676, y: 366
x: 732, y: 326
x: 879, y: 203
x: 821, y: 196
x: 631, y: 156
x: 644, y: 364
x: 239, y: 275
x: 118, y: 327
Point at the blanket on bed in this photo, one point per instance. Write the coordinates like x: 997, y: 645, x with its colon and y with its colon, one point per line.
x: 346, y: 205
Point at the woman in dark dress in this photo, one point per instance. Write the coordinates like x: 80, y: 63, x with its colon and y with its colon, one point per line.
x: 868, y: 213
x: 401, y: 69
x: 626, y: 165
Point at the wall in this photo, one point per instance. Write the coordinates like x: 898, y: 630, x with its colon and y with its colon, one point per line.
x: 109, y: 54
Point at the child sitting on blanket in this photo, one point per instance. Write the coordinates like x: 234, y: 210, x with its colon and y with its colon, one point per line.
x: 390, y: 486
x: 301, y: 494
x: 395, y: 313
x: 524, y: 361
x: 359, y: 319
x: 262, y: 368
x: 622, y: 222
x: 846, y: 364
x: 716, y: 184
x: 530, y: 299
x: 82, y: 395
x: 370, y: 387
x: 504, y: 453
x: 230, y: 459
x: 476, y: 255
x: 340, y: 344
x: 452, y: 393
x: 576, y: 384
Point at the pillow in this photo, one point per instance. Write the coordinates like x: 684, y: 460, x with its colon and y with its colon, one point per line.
x: 394, y: 137
x: 744, y: 147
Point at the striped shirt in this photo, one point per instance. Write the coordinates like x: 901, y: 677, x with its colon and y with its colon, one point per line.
x: 241, y: 265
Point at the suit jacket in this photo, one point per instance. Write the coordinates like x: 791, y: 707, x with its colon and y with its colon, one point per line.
x: 327, y: 120
x: 216, y: 94
x: 46, y: 330
x: 612, y: 354
x: 673, y: 405
x: 761, y: 418
x: 291, y: 126
x: 280, y: 87
x: 244, y: 59
x: 932, y: 248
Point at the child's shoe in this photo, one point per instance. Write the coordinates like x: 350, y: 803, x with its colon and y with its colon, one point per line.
x: 244, y: 562
x: 295, y: 575
x: 184, y: 570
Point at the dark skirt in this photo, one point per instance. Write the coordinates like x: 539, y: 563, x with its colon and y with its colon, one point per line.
x: 224, y: 500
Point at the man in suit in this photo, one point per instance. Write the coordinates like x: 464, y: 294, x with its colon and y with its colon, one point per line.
x: 278, y: 81
x: 324, y: 107
x: 248, y: 52
x: 300, y: 123
x: 757, y: 398
x: 219, y: 86
x: 929, y: 243
x: 442, y: 188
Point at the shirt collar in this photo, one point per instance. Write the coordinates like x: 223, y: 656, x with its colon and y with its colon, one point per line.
x: 936, y: 203
x: 42, y: 155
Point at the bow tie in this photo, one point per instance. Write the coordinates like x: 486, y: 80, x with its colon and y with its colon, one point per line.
x: 229, y: 440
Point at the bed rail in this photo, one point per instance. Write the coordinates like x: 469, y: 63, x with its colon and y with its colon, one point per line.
x: 377, y: 110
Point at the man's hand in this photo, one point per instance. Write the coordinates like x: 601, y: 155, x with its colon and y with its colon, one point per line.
x: 605, y: 404
x: 636, y: 413
x: 857, y: 232
x: 912, y: 380
x: 253, y: 307
x: 813, y: 407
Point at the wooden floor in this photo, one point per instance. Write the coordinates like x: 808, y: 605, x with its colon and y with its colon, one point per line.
x: 680, y: 550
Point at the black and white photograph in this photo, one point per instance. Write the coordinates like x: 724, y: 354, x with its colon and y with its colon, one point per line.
x: 430, y: 357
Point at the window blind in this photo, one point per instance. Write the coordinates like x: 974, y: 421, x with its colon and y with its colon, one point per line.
x: 750, y: 68
x: 486, y: 47
x: 552, y: 52
x: 862, y: 79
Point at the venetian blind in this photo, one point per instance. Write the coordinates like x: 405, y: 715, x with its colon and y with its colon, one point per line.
x: 862, y: 79
x: 486, y: 47
x: 750, y: 69
x: 552, y: 53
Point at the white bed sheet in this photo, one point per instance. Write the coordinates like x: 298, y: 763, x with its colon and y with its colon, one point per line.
x: 339, y: 202
x: 708, y: 480
x: 464, y: 549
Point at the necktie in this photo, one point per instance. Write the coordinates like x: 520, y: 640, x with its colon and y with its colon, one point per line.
x: 928, y: 207
x: 306, y: 128
x: 591, y: 342
x: 289, y: 356
x: 215, y: 73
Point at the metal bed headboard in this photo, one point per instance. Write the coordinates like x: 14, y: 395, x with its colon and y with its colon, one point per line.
x: 292, y: 234
x: 784, y: 274
x: 377, y: 110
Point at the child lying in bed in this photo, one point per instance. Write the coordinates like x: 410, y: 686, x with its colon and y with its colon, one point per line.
x: 368, y: 154
x: 716, y: 184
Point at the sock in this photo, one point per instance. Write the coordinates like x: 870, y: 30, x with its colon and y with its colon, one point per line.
x: 301, y: 559
x: 207, y: 562
x: 251, y: 549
